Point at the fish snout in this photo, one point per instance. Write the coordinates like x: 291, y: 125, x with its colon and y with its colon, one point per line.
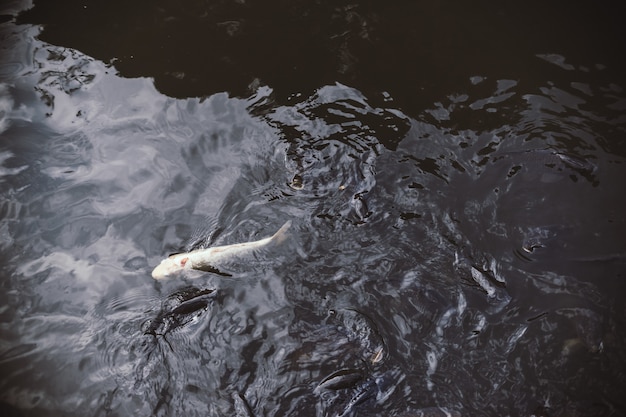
x: 162, y: 270
x: 171, y: 266
x: 159, y: 273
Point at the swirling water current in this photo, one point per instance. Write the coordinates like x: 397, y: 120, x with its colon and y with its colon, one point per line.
x: 467, y: 260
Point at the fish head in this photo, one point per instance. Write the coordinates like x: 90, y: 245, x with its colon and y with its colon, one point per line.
x: 169, y: 266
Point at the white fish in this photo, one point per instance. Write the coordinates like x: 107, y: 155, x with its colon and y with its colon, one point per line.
x: 207, y: 259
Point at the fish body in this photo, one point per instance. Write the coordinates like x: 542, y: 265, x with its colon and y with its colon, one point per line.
x: 206, y: 259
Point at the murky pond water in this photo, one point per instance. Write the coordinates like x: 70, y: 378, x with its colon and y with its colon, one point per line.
x: 457, y: 252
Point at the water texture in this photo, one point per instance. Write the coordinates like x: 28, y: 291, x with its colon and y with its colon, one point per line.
x: 455, y: 187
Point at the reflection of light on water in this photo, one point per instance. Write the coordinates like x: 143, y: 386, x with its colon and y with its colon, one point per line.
x: 6, y: 106
x: 4, y: 156
x: 481, y: 280
x: 431, y: 358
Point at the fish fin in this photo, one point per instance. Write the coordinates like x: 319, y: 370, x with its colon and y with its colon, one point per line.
x: 213, y: 270
x: 281, y: 234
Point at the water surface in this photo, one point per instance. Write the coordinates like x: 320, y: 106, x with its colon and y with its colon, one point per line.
x: 457, y: 241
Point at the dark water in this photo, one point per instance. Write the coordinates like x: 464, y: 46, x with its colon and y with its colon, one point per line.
x: 454, y: 174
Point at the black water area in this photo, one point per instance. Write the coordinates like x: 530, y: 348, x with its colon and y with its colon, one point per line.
x: 453, y: 173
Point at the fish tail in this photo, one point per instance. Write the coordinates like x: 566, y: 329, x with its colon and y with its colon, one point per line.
x: 281, y: 234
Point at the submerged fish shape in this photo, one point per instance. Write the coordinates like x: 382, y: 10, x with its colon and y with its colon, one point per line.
x: 206, y: 259
x: 180, y: 309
